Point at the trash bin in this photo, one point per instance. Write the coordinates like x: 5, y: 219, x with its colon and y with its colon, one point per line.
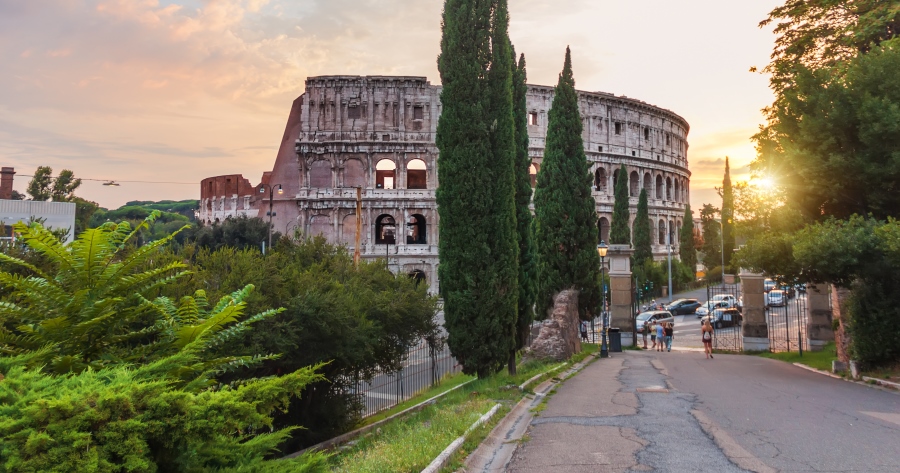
x: 615, y: 340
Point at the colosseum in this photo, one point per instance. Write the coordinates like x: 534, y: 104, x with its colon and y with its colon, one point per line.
x: 377, y: 133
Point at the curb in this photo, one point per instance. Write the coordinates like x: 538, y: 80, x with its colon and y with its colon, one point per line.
x: 444, y: 458
x: 882, y: 382
x: 866, y: 381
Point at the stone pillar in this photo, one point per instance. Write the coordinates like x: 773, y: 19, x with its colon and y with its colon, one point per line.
x: 619, y: 260
x: 754, y: 329
x: 818, y: 327
x: 6, y: 182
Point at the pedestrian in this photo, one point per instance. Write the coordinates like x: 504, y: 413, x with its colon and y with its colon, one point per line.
x: 660, y: 336
x: 652, y: 329
x: 644, y: 329
x: 706, y: 334
x: 670, y: 332
x: 584, y: 327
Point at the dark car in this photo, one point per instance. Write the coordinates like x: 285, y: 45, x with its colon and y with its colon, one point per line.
x: 724, y: 318
x: 683, y: 306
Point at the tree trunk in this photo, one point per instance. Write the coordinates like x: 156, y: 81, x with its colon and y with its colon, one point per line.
x: 511, y: 364
x: 841, y: 337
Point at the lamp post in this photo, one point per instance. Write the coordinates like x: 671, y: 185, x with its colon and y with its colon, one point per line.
x: 270, y: 213
x: 722, y: 248
x: 602, y: 248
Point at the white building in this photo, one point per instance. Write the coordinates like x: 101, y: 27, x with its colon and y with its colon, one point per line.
x: 56, y: 215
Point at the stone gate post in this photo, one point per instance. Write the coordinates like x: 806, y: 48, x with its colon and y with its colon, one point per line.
x: 619, y: 260
x: 755, y: 329
x: 818, y: 327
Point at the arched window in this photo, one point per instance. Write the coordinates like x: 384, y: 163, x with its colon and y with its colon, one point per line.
x: 673, y: 237
x: 385, y: 230
x: 416, y: 175
x: 532, y: 172
x: 668, y: 188
x: 615, y: 178
x: 603, y: 227
x: 321, y: 225
x: 662, y: 231
x: 385, y: 173
x: 354, y: 173
x: 659, y: 186
x: 418, y: 275
x: 648, y: 184
x: 634, y: 184
x: 415, y: 230
x: 677, y: 192
x: 320, y: 174
x: 600, y: 179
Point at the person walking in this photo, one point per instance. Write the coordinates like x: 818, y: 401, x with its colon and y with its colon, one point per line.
x: 706, y: 334
x: 652, y: 329
x: 584, y: 331
x: 670, y: 332
x: 644, y: 329
x: 660, y: 336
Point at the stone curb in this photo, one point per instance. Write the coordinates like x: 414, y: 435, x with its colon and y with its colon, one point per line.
x: 882, y: 382
x: 444, y: 458
x: 331, y: 443
x: 865, y: 382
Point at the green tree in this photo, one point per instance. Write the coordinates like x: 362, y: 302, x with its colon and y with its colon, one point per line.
x: 527, y: 263
x: 565, y: 215
x: 41, y: 184
x: 642, y: 239
x: 712, y: 243
x: 619, y: 233
x: 686, y: 249
x: 234, y: 232
x: 64, y: 186
x: 478, y: 246
x: 727, y: 214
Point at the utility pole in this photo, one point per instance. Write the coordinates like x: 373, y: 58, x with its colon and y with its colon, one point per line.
x: 358, y: 226
x: 270, y: 213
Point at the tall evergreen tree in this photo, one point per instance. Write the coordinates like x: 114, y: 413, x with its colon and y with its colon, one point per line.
x: 478, y: 244
x: 642, y: 239
x: 727, y: 216
x: 527, y: 264
x: 712, y: 243
x: 686, y: 249
x: 619, y: 233
x: 565, y: 214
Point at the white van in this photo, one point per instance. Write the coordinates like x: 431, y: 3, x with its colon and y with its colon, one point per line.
x: 775, y: 298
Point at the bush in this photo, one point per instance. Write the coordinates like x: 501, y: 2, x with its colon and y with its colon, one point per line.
x: 874, y: 315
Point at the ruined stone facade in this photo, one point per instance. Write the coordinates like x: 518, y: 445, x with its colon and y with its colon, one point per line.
x: 226, y: 196
x: 378, y: 133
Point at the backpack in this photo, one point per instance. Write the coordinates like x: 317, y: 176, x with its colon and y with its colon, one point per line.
x: 707, y: 335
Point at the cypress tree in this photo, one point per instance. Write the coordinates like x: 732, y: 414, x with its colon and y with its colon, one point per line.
x: 686, y: 249
x: 642, y: 246
x: 619, y: 234
x: 527, y: 266
x: 476, y: 196
x: 565, y: 214
x: 727, y: 217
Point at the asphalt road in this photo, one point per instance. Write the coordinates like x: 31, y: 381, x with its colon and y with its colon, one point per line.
x: 791, y: 419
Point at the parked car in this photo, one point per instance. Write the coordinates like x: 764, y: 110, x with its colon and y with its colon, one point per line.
x: 709, y: 306
x: 653, y: 316
x: 776, y: 298
x: 725, y: 317
x: 728, y: 299
x: 768, y: 285
x: 683, y: 306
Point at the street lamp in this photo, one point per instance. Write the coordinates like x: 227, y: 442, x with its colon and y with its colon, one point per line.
x: 602, y: 248
x: 270, y: 213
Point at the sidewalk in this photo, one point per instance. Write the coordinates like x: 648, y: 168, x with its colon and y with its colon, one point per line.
x: 620, y: 414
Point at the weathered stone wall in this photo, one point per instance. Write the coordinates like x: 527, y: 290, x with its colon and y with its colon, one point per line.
x: 559, y: 337
x: 226, y: 196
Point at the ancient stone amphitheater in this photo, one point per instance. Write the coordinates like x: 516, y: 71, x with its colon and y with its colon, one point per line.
x: 377, y: 133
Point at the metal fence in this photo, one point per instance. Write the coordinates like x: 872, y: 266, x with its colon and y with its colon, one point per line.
x: 727, y: 335
x: 787, y: 324
x: 423, y: 366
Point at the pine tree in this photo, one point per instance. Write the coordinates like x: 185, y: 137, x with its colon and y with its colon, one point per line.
x: 642, y: 246
x: 527, y: 265
x: 476, y: 198
x: 712, y: 244
x: 727, y: 216
x: 619, y: 234
x: 565, y: 214
x: 686, y: 249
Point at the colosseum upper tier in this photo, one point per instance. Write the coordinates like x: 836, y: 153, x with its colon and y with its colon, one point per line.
x: 378, y: 133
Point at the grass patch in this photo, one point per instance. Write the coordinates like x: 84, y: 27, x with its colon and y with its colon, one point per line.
x: 446, y: 384
x: 410, y: 443
x: 820, y: 360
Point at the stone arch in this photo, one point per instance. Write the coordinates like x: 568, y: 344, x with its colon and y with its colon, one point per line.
x: 603, y: 229
x: 385, y: 230
x: 615, y: 178
x: 416, y: 175
x: 668, y: 188
x: 386, y: 174
x: 661, y: 230
x: 600, y: 179
x: 648, y: 184
x: 320, y: 174
x: 659, y: 186
x: 673, y: 237
x: 418, y: 275
x: 320, y: 224
x: 354, y: 173
x: 532, y: 174
x: 348, y: 230
x: 634, y: 186
x: 416, y: 230
x: 677, y: 191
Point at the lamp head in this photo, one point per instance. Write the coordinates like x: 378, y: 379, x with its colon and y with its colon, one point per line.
x: 262, y: 189
x: 280, y: 190
x: 602, y: 248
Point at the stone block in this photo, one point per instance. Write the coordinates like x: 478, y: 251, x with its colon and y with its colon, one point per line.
x: 559, y: 337
x: 756, y: 343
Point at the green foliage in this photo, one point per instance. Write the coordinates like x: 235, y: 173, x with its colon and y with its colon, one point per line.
x: 39, y: 188
x: 727, y: 213
x: 619, y: 233
x: 84, y: 210
x: 240, y: 232
x: 642, y: 239
x: 712, y: 243
x: 565, y: 216
x: 478, y: 243
x: 132, y: 419
x: 527, y: 257
x: 64, y: 186
x: 687, y: 251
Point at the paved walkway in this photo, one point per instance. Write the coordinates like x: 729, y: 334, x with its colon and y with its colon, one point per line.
x: 621, y: 414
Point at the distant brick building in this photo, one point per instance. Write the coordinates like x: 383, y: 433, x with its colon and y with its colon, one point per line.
x: 226, y: 196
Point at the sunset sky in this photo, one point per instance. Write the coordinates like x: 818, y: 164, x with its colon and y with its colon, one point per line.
x: 176, y: 91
